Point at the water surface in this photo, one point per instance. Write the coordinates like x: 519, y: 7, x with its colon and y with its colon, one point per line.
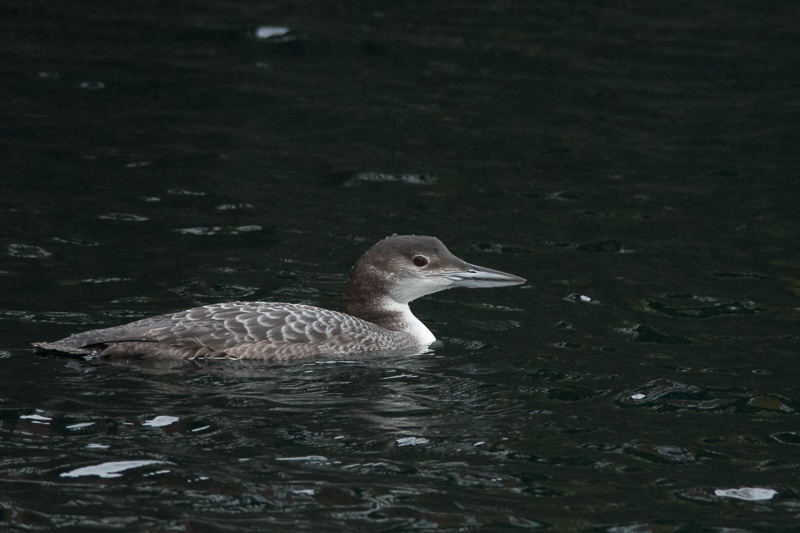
x: 637, y: 164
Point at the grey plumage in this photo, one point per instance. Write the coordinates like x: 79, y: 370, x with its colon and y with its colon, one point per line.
x: 237, y: 330
x: 388, y: 276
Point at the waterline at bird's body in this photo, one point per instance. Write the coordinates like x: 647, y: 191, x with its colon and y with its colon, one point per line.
x: 394, y: 272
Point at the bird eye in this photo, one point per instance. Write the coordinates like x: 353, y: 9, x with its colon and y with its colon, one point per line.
x: 419, y: 260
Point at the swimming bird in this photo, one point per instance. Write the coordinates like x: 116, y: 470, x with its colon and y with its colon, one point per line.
x: 392, y: 273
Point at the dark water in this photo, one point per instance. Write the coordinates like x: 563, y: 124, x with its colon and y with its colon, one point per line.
x: 638, y: 163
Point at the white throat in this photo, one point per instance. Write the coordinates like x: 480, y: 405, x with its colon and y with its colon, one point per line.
x: 411, y: 324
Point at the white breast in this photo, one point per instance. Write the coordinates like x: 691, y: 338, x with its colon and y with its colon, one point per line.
x: 411, y: 324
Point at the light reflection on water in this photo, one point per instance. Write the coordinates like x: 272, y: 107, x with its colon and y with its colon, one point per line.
x: 636, y: 163
x: 239, y: 435
x: 386, y: 441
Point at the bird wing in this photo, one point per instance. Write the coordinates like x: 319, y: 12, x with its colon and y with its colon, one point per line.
x: 219, y: 327
x: 223, y: 326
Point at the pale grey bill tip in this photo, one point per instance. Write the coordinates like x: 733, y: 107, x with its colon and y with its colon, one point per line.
x: 478, y: 277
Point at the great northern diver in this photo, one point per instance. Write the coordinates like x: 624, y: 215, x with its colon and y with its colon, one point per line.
x: 388, y: 276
